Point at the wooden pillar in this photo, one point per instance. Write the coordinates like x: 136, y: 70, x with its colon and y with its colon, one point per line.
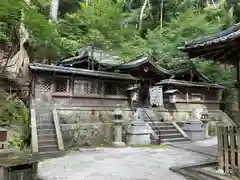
x: 238, y: 82
x: 220, y: 148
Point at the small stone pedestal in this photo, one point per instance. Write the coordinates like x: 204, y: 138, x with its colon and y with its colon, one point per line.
x: 194, y: 129
x: 206, y: 127
x: 118, y: 134
x: 205, y: 119
x: 138, y: 133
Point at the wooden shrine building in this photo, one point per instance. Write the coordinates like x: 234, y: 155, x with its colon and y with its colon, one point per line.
x: 223, y: 47
x: 96, y: 78
x: 94, y: 81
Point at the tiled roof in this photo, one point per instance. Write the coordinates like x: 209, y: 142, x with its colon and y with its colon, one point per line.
x: 221, y: 37
x: 84, y: 72
x: 188, y: 83
x: 110, y: 59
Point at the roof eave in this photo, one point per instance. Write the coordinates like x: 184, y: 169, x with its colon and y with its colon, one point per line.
x: 178, y: 83
x: 90, y: 73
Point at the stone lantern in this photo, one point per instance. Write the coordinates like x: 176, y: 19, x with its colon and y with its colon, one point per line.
x: 118, y: 128
x: 138, y: 133
x: 205, y: 119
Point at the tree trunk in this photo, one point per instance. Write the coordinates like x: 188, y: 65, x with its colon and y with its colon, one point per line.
x: 17, y: 65
x: 54, y: 10
x: 161, y: 15
x: 141, y: 14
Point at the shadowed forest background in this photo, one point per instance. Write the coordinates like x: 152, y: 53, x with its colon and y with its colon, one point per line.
x: 56, y: 29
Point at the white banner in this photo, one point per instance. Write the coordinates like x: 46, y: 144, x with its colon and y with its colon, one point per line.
x: 156, y: 95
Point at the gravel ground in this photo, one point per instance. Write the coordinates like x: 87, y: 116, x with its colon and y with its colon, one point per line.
x: 119, y: 164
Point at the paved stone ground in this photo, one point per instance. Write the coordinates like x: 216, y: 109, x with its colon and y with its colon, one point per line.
x: 208, y: 146
x: 119, y: 164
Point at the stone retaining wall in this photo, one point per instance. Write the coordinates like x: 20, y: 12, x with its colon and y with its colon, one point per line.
x: 88, y: 127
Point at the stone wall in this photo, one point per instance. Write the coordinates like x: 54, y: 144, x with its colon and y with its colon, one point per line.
x: 88, y: 127
x: 163, y: 114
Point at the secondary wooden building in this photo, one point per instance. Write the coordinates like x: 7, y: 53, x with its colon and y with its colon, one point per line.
x: 223, y: 47
x: 187, y: 88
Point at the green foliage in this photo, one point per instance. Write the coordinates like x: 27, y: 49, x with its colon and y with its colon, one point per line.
x: 111, y: 25
x: 14, y: 115
x: 101, y: 23
x: 190, y: 24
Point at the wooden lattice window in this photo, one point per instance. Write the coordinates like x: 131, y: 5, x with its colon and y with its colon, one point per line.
x: 110, y: 88
x: 115, y: 89
x: 62, y: 84
x: 196, y: 97
x: 43, y: 83
x: 87, y: 87
x: 122, y: 89
x: 180, y: 96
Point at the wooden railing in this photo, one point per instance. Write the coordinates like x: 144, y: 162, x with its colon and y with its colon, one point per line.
x: 229, y: 150
x: 58, y: 130
x: 34, y: 139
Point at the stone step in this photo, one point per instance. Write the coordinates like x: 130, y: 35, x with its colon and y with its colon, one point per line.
x: 209, y: 175
x: 155, y: 128
x: 45, y: 121
x: 171, y: 136
x: 167, y: 127
x: 47, y: 136
x: 160, y: 128
x: 45, y: 126
x: 48, y: 142
x: 43, y: 114
x: 45, y: 131
x: 168, y: 131
x: 158, y: 123
x: 48, y: 148
x: 190, y: 175
x: 174, y: 139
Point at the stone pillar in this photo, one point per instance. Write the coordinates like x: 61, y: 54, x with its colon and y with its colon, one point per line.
x: 118, y: 134
x: 205, y: 119
x: 118, y: 122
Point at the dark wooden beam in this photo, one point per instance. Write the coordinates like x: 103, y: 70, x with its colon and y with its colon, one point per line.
x: 238, y: 82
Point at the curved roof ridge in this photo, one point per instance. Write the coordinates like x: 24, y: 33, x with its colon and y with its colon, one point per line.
x: 232, y: 32
x: 142, y: 60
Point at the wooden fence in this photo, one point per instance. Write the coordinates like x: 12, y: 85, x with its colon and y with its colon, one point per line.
x: 229, y: 150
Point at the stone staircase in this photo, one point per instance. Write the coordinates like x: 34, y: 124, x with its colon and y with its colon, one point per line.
x: 46, y: 132
x: 167, y: 132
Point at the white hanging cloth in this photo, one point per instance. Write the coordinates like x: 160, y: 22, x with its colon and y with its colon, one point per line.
x: 156, y: 95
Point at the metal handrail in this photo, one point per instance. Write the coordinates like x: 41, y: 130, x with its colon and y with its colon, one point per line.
x: 158, y: 128
x: 223, y: 115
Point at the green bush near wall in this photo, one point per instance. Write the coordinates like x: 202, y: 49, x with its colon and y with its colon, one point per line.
x: 14, y: 115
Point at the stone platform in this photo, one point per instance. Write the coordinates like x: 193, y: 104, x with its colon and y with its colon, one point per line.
x: 207, y: 147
